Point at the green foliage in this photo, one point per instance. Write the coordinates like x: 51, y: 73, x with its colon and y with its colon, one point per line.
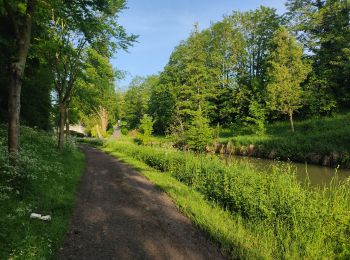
x: 45, y: 182
x: 161, y: 105
x: 256, y: 118
x: 297, y: 222
x: 137, y: 99
x: 286, y: 73
x: 319, y: 100
x: 95, y: 100
x: 146, y: 129
x: 91, y: 141
x: 323, y: 27
x: 199, y: 135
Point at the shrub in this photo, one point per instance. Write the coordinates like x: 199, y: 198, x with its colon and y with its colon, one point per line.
x: 199, y: 134
x: 146, y: 129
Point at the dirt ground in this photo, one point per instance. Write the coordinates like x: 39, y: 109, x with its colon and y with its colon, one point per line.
x: 119, y: 214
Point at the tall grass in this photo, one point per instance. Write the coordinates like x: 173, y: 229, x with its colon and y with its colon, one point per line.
x: 287, y: 220
x: 43, y: 181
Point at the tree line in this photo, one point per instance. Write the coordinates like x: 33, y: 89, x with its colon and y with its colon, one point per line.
x: 58, y: 52
x: 251, y: 68
x: 246, y: 70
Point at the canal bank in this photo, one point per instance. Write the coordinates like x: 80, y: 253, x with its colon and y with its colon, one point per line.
x: 316, y: 175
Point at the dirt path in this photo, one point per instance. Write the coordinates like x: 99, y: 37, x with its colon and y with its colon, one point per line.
x: 119, y: 214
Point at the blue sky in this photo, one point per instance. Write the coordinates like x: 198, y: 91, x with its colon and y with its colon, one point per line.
x: 162, y: 24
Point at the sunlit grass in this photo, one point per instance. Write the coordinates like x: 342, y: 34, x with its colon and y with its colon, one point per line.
x: 252, y: 214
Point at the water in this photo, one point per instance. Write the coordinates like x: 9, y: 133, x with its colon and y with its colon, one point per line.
x: 317, y: 175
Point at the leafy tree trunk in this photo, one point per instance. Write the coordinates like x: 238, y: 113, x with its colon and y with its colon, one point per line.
x: 291, y: 120
x: 62, y: 122
x: 23, y: 33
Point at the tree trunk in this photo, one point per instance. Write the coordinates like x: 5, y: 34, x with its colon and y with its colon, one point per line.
x: 67, y: 126
x: 23, y: 36
x: 14, y: 102
x: 61, y: 126
x: 104, y: 119
x: 291, y: 120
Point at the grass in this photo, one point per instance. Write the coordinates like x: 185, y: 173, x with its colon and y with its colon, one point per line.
x: 44, y: 182
x: 323, y: 140
x: 208, y: 216
x: 251, y: 214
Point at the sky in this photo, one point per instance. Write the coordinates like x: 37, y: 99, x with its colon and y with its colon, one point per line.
x: 163, y: 24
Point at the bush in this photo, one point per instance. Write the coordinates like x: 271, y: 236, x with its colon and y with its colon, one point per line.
x: 146, y: 129
x: 199, y: 135
x: 124, y: 131
x: 91, y: 141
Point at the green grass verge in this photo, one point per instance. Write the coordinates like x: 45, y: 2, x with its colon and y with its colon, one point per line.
x: 268, y: 214
x: 44, y: 182
x: 224, y: 228
x: 323, y: 140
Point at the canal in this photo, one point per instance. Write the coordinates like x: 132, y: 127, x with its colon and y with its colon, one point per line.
x: 316, y: 174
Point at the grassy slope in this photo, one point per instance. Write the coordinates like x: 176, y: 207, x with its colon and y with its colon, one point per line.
x: 322, y: 136
x: 228, y: 231
x: 45, y: 183
x: 268, y: 215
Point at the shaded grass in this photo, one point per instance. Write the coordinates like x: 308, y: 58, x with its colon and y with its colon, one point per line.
x: 44, y: 183
x: 268, y: 215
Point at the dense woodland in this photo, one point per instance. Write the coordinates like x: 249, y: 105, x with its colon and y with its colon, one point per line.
x: 252, y: 68
x: 58, y: 53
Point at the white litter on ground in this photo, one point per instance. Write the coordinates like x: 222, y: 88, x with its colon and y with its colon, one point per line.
x: 39, y: 216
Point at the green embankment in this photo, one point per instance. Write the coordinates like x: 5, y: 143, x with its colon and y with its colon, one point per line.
x: 324, y: 141
x: 44, y: 182
x: 251, y: 214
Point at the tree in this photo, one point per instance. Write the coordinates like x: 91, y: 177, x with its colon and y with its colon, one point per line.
x: 94, y: 97
x: 323, y: 27
x: 93, y: 21
x: 199, y: 134
x: 68, y: 40
x: 20, y: 14
x: 286, y: 72
x: 64, y: 57
x: 146, y: 128
x: 137, y: 99
x: 161, y: 106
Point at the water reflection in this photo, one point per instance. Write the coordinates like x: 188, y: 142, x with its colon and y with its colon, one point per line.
x: 317, y: 175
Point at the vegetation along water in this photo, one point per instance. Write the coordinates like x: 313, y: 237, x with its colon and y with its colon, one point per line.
x: 260, y: 83
x: 297, y: 221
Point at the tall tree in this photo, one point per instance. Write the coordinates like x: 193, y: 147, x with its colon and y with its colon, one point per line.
x: 95, y: 96
x: 71, y: 34
x: 286, y: 72
x: 324, y: 29
x: 20, y: 14
x: 137, y: 99
x: 64, y: 57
